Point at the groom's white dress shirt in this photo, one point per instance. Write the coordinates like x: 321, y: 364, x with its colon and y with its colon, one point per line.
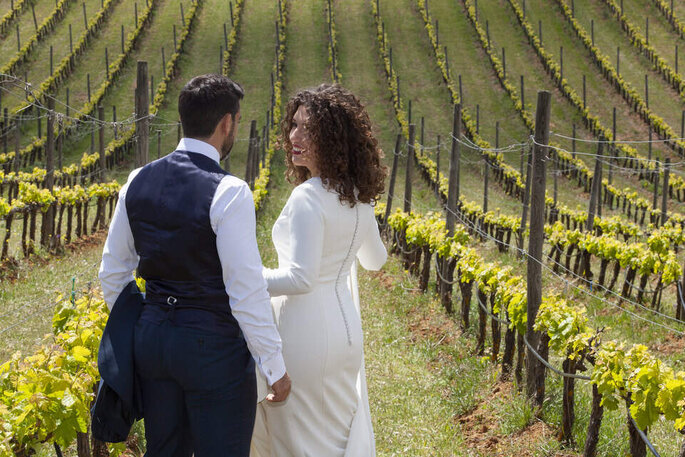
x: 232, y: 216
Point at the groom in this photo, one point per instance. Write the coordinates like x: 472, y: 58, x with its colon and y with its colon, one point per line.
x: 189, y: 228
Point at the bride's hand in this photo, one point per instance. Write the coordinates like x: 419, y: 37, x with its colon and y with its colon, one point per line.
x: 281, y: 389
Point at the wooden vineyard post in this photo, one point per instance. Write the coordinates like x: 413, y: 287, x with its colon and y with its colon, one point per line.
x: 409, y: 170
x: 114, y: 121
x: 142, y: 113
x: 453, y: 186
x: 5, y: 124
x: 437, y: 169
x: 17, y: 146
x: 393, y: 176
x: 526, y: 202
x: 555, y: 165
x: 655, y: 195
x: 486, y: 175
x: 101, y: 145
x: 461, y: 91
x: 47, y: 227
x: 573, y: 142
x: 664, y: 192
x: 592, y: 209
x: 535, y: 380
x: 250, y: 171
x: 447, y: 265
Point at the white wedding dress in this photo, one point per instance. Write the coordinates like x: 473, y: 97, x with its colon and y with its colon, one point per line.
x: 316, y: 306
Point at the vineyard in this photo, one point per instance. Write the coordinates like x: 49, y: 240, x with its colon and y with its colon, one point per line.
x: 535, y: 204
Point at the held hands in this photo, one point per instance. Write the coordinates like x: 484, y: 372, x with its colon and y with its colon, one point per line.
x: 281, y: 389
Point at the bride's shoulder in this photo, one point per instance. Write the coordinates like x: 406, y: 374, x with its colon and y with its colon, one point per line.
x: 309, y: 193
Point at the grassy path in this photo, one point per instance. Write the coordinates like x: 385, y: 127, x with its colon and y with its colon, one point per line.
x: 38, y: 66
x: 306, y: 64
x: 27, y: 28
x: 94, y: 57
x: 661, y: 34
x: 479, y: 84
x: 201, y: 56
x: 159, y: 35
x: 109, y: 38
x: 601, y: 97
x: 363, y: 75
x: 663, y: 99
x: 522, y: 61
x: 478, y: 70
x: 252, y: 68
x: 420, y: 81
x: 26, y: 302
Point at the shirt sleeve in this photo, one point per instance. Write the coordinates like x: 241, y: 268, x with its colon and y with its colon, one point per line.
x: 305, y: 217
x: 233, y: 219
x: 119, y: 257
x: 372, y: 253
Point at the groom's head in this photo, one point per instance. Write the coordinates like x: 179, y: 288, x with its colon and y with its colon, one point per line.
x: 209, y: 106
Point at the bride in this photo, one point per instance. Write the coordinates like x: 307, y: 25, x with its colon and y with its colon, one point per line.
x: 327, y: 223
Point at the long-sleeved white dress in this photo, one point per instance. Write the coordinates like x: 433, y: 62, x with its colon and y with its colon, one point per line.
x: 315, y: 301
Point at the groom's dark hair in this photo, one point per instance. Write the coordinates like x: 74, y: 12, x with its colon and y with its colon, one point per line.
x: 204, y: 101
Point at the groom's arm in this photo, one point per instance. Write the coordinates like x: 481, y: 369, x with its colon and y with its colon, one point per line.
x: 233, y: 219
x: 119, y: 257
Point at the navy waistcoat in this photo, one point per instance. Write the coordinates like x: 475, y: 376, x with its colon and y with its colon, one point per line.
x: 168, y: 206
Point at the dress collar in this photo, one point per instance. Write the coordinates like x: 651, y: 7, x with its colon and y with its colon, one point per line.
x: 199, y: 147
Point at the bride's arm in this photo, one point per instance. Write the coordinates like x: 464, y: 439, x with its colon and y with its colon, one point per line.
x: 372, y: 253
x: 306, y: 244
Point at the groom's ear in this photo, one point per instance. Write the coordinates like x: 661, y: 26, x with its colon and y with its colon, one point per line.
x: 224, y: 125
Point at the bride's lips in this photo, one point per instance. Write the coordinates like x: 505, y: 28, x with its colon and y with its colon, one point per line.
x: 297, y: 149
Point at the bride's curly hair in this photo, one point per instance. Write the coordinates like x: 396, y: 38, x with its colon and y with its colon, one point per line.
x: 348, y: 155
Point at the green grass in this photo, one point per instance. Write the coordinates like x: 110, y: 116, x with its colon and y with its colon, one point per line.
x: 362, y: 73
x: 38, y: 66
x: 661, y: 34
x: 479, y: 84
x: 27, y: 28
x: 25, y: 302
x: 252, y: 67
x: 601, y: 97
x: 159, y: 35
x: 679, y: 9
x: 306, y: 63
x: 5, y: 5
x: 92, y: 60
x: 663, y: 99
x: 201, y: 56
x: 420, y: 81
x: 422, y: 372
x: 518, y: 58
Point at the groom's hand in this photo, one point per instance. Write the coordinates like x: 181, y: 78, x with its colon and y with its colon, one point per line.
x: 281, y: 389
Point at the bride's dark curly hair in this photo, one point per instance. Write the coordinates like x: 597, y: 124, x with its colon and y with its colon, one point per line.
x: 347, y: 153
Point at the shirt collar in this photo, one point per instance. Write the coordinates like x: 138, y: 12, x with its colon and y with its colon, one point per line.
x: 198, y: 146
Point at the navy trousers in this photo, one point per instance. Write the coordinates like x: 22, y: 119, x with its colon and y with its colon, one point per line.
x: 199, y: 391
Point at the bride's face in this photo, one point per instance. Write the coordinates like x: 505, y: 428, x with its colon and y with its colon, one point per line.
x: 304, y: 153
